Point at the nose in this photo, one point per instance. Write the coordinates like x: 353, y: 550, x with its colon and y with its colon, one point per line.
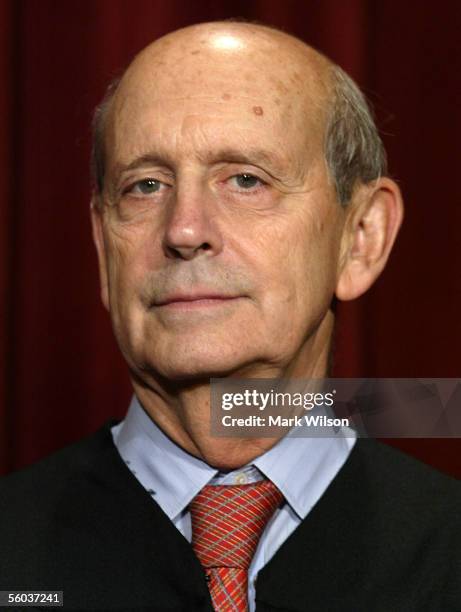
x: 191, y: 228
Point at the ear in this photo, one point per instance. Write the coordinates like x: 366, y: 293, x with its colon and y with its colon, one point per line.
x: 372, y: 223
x: 98, y: 239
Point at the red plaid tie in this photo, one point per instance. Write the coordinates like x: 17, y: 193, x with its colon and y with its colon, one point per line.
x: 227, y: 522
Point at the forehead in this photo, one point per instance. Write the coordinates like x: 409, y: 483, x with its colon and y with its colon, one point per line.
x: 220, y: 90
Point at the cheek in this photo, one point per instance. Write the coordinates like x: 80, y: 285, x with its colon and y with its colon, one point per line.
x: 126, y: 260
x: 301, y: 270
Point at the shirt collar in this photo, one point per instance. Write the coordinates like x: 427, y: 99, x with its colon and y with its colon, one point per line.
x: 301, y: 467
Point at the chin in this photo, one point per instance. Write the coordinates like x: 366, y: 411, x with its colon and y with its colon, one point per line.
x: 199, y: 369
x: 199, y: 362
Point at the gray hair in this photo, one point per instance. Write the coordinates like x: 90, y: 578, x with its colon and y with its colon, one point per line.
x: 353, y: 149
x: 98, y: 125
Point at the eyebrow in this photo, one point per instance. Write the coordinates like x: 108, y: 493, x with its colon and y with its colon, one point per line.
x: 248, y: 156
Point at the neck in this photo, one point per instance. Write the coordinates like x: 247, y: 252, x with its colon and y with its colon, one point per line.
x: 182, y: 409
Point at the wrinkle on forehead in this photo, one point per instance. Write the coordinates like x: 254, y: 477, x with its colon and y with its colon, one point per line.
x: 190, y: 133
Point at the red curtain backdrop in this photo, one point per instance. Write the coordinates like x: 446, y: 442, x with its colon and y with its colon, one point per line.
x: 61, y: 374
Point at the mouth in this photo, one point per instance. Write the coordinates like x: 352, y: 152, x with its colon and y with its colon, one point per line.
x: 196, y: 301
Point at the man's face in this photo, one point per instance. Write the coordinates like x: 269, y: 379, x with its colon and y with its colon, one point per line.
x: 220, y: 227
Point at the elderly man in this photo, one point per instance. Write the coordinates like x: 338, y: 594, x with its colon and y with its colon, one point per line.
x: 240, y: 188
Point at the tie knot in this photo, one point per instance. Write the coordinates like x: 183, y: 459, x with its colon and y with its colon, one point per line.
x: 228, y: 520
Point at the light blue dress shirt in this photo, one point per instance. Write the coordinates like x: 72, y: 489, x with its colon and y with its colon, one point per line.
x: 301, y: 468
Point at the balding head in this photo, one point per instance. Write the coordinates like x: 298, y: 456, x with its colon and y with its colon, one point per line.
x: 314, y: 88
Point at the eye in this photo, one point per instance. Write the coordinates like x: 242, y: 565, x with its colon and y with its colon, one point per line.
x: 146, y: 187
x: 247, y: 181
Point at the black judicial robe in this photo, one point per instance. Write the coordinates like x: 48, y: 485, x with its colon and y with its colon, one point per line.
x: 385, y: 536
